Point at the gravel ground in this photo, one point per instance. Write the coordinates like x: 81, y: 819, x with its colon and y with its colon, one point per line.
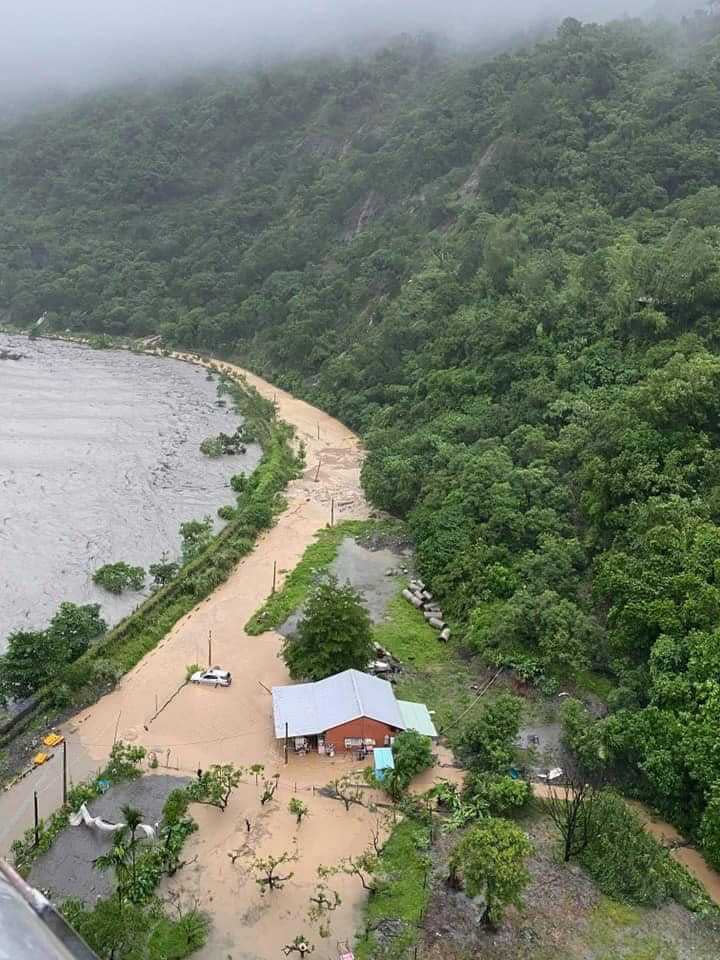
x: 67, y: 869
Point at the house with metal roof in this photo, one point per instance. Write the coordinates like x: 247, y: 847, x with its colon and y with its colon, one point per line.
x: 348, y: 711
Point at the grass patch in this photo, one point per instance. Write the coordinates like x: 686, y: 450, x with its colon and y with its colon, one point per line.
x: 595, y: 683
x: 316, y: 560
x: 614, y: 934
x: 444, y: 687
x: 404, y: 861
x: 407, y: 636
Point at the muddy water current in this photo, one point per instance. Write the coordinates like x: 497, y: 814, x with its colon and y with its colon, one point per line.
x: 99, y: 462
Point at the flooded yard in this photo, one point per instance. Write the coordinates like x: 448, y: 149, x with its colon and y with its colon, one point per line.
x: 99, y: 462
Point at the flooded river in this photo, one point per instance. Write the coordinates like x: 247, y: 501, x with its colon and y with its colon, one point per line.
x: 99, y: 462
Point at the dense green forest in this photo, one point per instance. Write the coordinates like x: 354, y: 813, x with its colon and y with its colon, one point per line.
x: 504, y: 273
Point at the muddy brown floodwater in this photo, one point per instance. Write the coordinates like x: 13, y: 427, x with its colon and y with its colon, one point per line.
x: 99, y: 462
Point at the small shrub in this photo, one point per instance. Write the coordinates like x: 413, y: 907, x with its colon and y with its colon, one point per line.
x: 124, y: 763
x: 412, y: 754
x: 500, y: 795
x: 190, y: 669
x: 176, y: 806
x: 298, y: 809
x: 164, y: 571
x: 238, y: 482
x: 624, y: 860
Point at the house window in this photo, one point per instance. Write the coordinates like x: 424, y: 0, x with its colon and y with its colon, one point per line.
x: 369, y: 742
x: 353, y: 742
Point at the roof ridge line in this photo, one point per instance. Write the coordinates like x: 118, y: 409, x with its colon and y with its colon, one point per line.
x: 358, y: 699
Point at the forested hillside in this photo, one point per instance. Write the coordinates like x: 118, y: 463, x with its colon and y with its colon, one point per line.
x: 504, y: 272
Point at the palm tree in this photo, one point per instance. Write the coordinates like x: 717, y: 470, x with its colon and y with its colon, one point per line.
x: 133, y: 818
x: 116, y: 859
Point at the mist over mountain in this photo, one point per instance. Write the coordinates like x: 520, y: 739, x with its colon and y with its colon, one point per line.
x: 53, y: 50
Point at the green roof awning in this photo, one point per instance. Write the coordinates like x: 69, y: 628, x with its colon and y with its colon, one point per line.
x: 416, y: 716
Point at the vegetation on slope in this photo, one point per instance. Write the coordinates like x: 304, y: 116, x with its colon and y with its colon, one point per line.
x: 504, y: 273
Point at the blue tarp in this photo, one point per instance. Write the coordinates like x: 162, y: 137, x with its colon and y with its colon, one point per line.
x: 383, y: 760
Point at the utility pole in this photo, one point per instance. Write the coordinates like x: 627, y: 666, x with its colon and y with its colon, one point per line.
x: 274, y: 576
x: 37, y: 819
x: 286, y: 742
x: 64, y: 772
x: 209, y: 648
x: 332, y: 512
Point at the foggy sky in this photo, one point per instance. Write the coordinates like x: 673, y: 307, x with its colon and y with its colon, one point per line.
x: 53, y: 47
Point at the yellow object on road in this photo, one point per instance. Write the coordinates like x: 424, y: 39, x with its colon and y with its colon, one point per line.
x: 53, y: 739
x: 40, y: 758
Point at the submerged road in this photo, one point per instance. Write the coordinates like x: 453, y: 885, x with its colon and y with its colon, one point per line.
x: 90, y: 734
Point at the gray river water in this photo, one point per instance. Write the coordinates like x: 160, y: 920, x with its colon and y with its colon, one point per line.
x: 99, y: 462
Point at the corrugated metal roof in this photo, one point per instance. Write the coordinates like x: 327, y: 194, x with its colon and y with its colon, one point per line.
x: 416, y: 716
x: 312, y: 708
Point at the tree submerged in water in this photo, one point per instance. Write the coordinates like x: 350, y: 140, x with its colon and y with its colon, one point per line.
x: 226, y: 444
x: 118, y: 577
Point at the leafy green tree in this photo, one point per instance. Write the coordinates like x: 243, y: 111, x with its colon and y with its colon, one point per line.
x: 412, y: 753
x: 710, y: 829
x: 256, y: 769
x: 195, y: 536
x: 117, y: 859
x: 583, y: 736
x: 333, y: 635
x: 163, y: 571
x: 489, y: 862
x: 624, y: 860
x: 33, y: 658
x: 72, y: 628
x: 216, y: 785
x: 298, y: 809
x: 117, y: 577
x: 487, y: 741
x: 267, y: 870
x: 499, y: 794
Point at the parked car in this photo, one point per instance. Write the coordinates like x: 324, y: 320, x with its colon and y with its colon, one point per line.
x: 214, y: 676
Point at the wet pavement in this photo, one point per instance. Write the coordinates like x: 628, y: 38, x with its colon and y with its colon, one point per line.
x: 67, y: 870
x: 99, y: 462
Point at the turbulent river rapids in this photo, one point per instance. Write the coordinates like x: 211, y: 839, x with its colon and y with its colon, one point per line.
x: 99, y: 462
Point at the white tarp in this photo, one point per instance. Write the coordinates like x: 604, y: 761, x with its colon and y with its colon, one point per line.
x: 83, y: 815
